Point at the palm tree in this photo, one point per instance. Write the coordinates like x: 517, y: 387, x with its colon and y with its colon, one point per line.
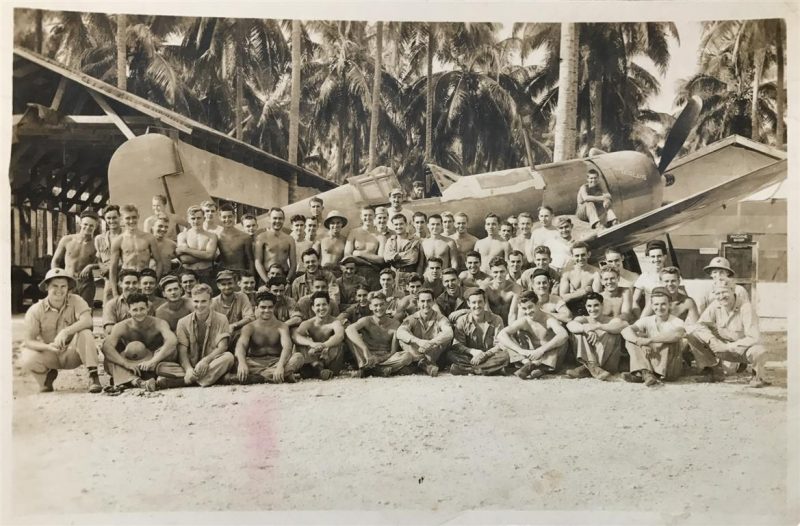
x: 294, y: 118
x: 120, y: 36
x: 376, y: 97
x: 567, y: 112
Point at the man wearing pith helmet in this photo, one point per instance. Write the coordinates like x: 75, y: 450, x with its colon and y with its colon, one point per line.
x: 720, y: 271
x: 58, y: 333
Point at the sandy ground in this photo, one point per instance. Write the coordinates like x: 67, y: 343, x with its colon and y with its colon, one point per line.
x: 443, y: 444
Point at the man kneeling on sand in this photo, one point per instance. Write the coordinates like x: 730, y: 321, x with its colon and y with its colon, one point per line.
x: 319, y: 339
x: 59, y: 333
x: 372, y: 341
x: 146, y: 341
x: 536, y: 343
x: 264, y: 350
x: 203, y: 338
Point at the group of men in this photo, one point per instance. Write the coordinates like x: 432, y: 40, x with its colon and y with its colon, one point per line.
x: 199, y: 300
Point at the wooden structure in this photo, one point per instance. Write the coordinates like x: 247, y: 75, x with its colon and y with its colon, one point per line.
x: 66, y: 127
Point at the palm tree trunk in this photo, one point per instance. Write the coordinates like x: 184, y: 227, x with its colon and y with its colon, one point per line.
x: 596, y: 95
x: 528, y: 150
x: 38, y: 31
x: 340, y: 147
x: 755, y: 131
x: 780, y: 100
x: 122, y: 52
x: 567, y: 110
x: 294, y: 108
x: 429, y: 97
x: 355, y: 144
x: 237, y: 114
x: 376, y: 98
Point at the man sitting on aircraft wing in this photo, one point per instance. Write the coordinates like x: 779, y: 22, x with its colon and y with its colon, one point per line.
x: 594, y: 204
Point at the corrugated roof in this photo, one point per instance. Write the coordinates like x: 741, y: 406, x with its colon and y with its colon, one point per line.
x: 168, y: 117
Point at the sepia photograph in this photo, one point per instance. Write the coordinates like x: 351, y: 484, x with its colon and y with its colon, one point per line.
x: 419, y: 263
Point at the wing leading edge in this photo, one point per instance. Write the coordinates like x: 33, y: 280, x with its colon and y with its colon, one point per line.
x: 645, y: 227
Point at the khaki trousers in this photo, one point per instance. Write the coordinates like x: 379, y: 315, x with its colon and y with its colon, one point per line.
x: 495, y: 364
x: 606, y: 352
x: 81, y: 349
x: 700, y: 344
x: 265, y: 365
x: 664, y: 359
x: 216, y: 370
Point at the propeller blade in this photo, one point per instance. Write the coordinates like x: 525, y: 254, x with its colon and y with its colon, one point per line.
x: 680, y: 131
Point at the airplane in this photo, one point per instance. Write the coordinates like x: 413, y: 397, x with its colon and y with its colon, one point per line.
x: 634, y: 181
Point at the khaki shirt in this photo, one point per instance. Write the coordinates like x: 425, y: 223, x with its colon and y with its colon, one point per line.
x: 436, y: 328
x: 217, y: 329
x: 45, y: 321
x: 238, y: 310
x: 739, y: 324
x: 470, y: 334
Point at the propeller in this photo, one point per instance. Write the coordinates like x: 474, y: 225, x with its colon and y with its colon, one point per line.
x: 680, y: 131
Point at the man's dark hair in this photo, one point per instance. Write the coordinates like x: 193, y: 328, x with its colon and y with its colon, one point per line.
x: 127, y: 272
x: 138, y: 297
x: 593, y: 296
x: 317, y: 295
x: 266, y: 296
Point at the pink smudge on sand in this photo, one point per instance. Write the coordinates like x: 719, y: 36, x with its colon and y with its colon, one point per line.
x: 260, y: 424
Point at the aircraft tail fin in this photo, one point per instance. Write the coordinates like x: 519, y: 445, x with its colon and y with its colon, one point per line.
x: 443, y: 177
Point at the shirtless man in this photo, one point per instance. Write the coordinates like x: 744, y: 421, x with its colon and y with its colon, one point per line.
x: 436, y: 245
x: 250, y: 227
x: 210, y: 219
x: 102, y: 243
x: 298, y: 233
x: 166, y: 246
x: 247, y: 286
x: 159, y: 204
x: 136, y: 365
x: 597, y: 341
x: 506, y: 231
x: 474, y: 276
x: 332, y: 245
x: 581, y: 279
x: 319, y: 339
x: 188, y: 280
x: 500, y: 290
x: 401, y: 250
x: 176, y: 305
x: 516, y: 262
x: 448, y: 224
x: 310, y: 240
x: 465, y: 242
x: 541, y: 260
x: 392, y: 293
x: 561, y: 246
x: 264, y: 350
x: 315, y: 208
x: 79, y: 256
x: 432, y: 278
x: 132, y: 249
x: 407, y: 305
x: 617, y: 301
x: 536, y: 343
x: 417, y: 190
x: 594, y: 203
x: 613, y: 259
x: 418, y: 221
x: 148, y: 285
x: 492, y: 245
x: 546, y: 232
x: 548, y: 303
x: 524, y: 231
x: 235, y: 248
x: 372, y: 341
x: 382, y: 230
x: 274, y: 246
x: 362, y: 245
x: 197, y: 247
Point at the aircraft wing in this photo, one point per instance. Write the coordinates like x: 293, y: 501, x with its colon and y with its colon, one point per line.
x: 643, y: 228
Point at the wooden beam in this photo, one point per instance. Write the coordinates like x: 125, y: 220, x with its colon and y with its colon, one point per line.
x: 95, y: 119
x: 59, y: 96
x: 106, y: 107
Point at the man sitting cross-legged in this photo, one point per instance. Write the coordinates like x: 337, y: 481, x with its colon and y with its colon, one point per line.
x: 597, y: 341
x: 654, y: 343
x: 426, y: 333
x: 264, y: 350
x: 144, y: 341
x: 728, y: 331
x: 372, y: 341
x: 474, y: 349
x: 58, y: 333
x: 319, y: 339
x: 176, y: 306
x: 536, y: 343
x: 202, y: 346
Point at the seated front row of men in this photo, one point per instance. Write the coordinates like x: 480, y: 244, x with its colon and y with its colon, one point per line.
x: 500, y: 328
